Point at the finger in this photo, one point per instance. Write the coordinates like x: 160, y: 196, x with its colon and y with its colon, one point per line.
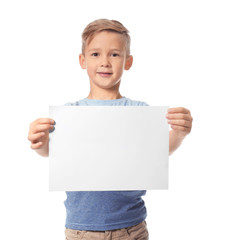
x: 43, y: 121
x: 182, y: 123
x: 179, y: 116
x: 36, y: 145
x: 42, y: 127
x: 178, y: 110
x: 182, y: 129
x: 34, y: 137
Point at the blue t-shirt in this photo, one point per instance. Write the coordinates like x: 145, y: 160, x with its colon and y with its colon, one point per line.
x: 104, y: 210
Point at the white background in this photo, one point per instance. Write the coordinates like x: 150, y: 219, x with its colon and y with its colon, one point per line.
x: 179, y: 60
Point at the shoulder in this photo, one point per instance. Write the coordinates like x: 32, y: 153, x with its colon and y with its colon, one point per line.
x: 71, y: 103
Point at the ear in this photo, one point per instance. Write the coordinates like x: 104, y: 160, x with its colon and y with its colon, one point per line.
x: 129, y: 62
x: 82, y: 61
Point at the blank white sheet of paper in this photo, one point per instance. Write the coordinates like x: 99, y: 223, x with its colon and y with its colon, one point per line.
x: 101, y: 148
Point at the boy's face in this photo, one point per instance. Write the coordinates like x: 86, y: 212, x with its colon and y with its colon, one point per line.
x: 105, y: 59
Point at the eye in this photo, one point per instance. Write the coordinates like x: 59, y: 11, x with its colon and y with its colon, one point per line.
x: 115, y: 54
x: 94, y: 54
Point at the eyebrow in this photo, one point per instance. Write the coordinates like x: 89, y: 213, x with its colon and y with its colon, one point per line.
x: 97, y: 49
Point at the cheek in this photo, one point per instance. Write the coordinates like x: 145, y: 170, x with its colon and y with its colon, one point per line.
x: 89, y: 71
x: 90, y: 67
x: 121, y: 68
x: 120, y: 65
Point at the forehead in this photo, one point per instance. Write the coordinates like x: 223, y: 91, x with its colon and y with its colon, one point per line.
x: 106, y: 39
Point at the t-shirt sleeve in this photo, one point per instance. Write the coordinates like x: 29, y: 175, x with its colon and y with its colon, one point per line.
x: 71, y: 104
x: 143, y: 104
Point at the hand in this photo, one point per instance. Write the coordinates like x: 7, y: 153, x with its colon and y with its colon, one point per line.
x: 39, y: 133
x: 180, y: 120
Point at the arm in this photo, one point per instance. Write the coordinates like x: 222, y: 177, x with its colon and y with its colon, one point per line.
x: 39, y: 135
x: 180, y: 120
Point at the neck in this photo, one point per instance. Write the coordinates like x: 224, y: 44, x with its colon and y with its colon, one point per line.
x: 104, y: 94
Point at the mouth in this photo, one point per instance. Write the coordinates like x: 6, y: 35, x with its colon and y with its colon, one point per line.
x: 104, y: 74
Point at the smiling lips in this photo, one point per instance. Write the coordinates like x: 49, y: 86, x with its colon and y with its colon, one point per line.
x: 104, y: 74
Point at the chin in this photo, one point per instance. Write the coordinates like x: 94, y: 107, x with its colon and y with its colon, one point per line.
x: 109, y: 85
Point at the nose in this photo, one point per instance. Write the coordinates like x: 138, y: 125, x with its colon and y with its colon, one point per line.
x: 105, y: 62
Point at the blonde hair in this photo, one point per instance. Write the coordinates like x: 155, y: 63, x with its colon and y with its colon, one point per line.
x: 100, y: 25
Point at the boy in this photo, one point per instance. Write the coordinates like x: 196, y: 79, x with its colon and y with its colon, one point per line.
x: 107, y: 214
